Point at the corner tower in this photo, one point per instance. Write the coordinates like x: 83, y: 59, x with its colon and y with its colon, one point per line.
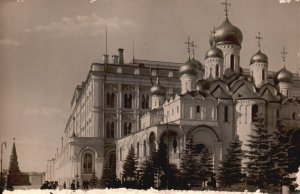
x: 228, y: 38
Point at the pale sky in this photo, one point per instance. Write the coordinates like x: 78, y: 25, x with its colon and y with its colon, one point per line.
x: 47, y: 47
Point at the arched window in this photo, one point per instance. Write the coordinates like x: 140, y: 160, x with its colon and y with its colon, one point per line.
x: 107, y: 130
x: 254, y: 113
x: 125, y: 129
x: 120, y: 154
x: 111, y: 160
x: 217, y: 70
x: 226, y: 114
x: 294, y: 115
x: 130, y: 101
x: 138, y: 150
x: 129, y: 128
x: 232, y: 62
x: 147, y: 101
x: 143, y: 101
x: 108, y: 99
x: 87, y: 163
x: 112, y: 130
x: 125, y: 101
x: 145, y: 148
x: 112, y: 100
x: 263, y: 75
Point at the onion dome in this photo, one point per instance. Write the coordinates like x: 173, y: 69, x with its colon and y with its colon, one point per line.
x: 203, y: 84
x: 227, y: 33
x: 214, y: 52
x: 284, y: 75
x: 259, y: 57
x: 157, y: 89
x: 198, y: 63
x: 189, y: 67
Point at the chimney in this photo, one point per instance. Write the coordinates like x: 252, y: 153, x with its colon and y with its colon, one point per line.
x: 105, y: 58
x: 115, y: 59
x: 121, y: 57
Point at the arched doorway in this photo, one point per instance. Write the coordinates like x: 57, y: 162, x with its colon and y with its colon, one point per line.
x: 172, y: 141
x: 87, y: 164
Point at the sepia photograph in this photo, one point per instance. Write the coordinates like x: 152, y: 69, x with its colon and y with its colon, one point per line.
x: 149, y: 96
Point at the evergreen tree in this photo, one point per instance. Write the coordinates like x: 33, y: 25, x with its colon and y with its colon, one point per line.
x: 230, y: 171
x: 130, y: 166
x: 147, y: 174
x: 108, y: 178
x: 280, y: 158
x: 189, y: 165
x: 161, y: 164
x: 258, y: 155
x: 206, y: 166
x: 94, y: 179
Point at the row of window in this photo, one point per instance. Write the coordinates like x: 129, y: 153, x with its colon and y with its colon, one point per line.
x: 110, y: 129
x: 110, y: 100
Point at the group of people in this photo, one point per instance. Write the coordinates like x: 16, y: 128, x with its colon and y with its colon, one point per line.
x: 50, y: 185
x: 73, y: 186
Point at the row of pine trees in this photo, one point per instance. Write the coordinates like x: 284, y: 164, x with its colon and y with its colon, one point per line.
x: 266, y: 166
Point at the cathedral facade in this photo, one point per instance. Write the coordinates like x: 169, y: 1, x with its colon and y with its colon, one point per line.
x: 144, y: 102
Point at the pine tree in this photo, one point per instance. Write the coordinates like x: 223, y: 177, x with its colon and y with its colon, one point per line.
x: 108, y: 178
x: 206, y: 166
x: 94, y: 179
x: 189, y: 165
x: 130, y: 166
x: 230, y: 171
x: 161, y: 164
x: 147, y: 173
x: 280, y: 158
x: 258, y: 155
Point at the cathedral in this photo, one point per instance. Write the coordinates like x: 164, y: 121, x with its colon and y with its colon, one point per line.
x: 143, y: 102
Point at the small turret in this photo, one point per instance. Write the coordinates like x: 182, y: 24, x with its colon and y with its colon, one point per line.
x: 158, y: 94
x: 259, y: 66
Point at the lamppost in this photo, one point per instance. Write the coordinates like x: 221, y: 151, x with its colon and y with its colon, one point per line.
x: 77, y: 176
x: 1, y: 180
x: 168, y: 157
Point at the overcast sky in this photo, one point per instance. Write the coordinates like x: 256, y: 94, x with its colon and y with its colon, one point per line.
x: 47, y: 47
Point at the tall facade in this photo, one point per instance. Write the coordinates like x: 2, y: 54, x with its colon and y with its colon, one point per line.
x: 142, y: 102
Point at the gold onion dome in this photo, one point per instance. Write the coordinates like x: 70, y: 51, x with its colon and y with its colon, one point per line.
x: 157, y: 89
x: 227, y: 33
x: 189, y: 67
x: 259, y: 57
x: 214, y: 52
x: 284, y: 75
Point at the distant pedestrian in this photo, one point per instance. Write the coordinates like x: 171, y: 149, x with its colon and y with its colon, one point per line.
x: 77, y: 185
x: 64, y: 185
x: 73, y: 185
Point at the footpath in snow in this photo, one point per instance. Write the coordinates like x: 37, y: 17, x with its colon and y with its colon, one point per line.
x: 120, y: 191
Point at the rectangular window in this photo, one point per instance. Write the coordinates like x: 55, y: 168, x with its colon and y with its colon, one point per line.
x: 198, y: 109
x: 226, y: 114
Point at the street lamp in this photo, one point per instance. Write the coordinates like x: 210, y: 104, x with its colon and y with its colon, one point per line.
x: 168, y: 157
x: 76, y: 155
x: 1, y: 180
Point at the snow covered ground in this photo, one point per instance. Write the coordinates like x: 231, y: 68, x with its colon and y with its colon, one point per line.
x: 120, y: 191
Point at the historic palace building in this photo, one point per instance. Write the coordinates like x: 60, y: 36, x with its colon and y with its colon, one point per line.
x: 142, y: 102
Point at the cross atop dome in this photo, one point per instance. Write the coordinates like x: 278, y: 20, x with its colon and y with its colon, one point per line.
x: 226, y: 4
x: 194, y: 46
x: 283, y: 53
x: 259, y: 38
x: 188, y: 43
x: 214, y: 35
